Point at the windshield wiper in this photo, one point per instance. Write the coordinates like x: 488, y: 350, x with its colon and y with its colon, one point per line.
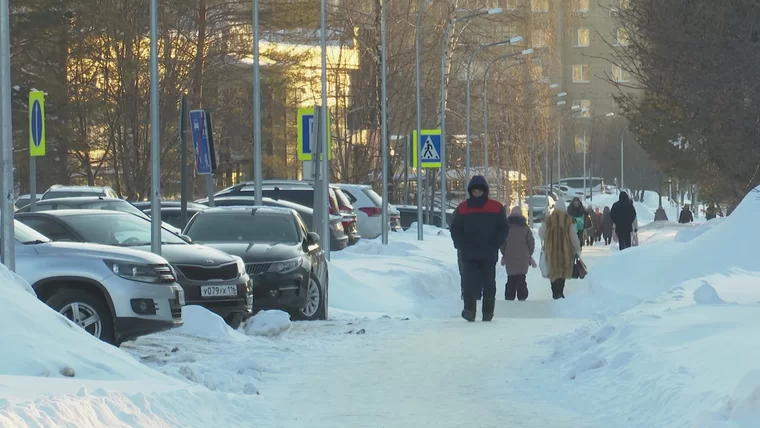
x: 35, y: 242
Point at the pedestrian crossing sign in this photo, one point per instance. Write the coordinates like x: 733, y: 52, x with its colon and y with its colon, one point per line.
x: 431, y: 148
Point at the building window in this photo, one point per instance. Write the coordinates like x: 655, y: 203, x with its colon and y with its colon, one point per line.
x: 509, y: 4
x: 621, y: 37
x: 580, y: 73
x: 583, y: 37
x: 539, y: 5
x: 538, y: 39
x: 619, y: 75
x: 585, y: 108
x: 580, y: 143
x: 581, y: 5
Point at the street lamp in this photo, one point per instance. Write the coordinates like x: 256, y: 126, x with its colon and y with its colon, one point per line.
x: 559, y: 139
x: 513, y: 40
x: 485, y: 104
x: 622, y: 135
x: 585, y: 146
x: 444, y: 44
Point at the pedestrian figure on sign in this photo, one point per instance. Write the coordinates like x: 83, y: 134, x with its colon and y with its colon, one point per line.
x: 479, y: 229
x: 517, y: 254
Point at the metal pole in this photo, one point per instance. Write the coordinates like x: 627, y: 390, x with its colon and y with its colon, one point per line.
x: 257, y: 167
x: 325, y: 164
x: 384, y: 119
x: 530, y: 177
x: 419, y: 117
x: 468, y: 142
x: 407, y: 157
x: 485, y: 124
x: 210, y: 190
x: 584, y: 163
x: 508, y: 190
x: 8, y: 239
x: 155, y: 153
x: 183, y: 159
x: 559, y: 148
x: 32, y: 183
x: 444, y: 57
x: 622, y: 172
x: 546, y: 179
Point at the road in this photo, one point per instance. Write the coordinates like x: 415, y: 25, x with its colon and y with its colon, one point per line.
x: 425, y: 373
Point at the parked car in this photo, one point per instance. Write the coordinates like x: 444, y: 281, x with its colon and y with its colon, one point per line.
x: 115, y: 294
x: 350, y: 219
x: 171, y: 211
x: 537, y: 204
x: 209, y: 277
x: 93, y: 203
x: 25, y: 200
x: 369, y: 206
x: 338, y: 237
x: 60, y: 191
x: 408, y: 214
x: 277, y: 249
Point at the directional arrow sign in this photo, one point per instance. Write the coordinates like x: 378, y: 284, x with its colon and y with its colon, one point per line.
x: 431, y: 148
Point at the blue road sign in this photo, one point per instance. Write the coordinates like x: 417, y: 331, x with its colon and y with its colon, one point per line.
x: 199, y: 128
x: 430, y: 144
x: 305, y: 128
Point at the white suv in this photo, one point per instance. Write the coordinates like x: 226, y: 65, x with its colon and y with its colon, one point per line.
x: 368, y: 206
x: 115, y: 294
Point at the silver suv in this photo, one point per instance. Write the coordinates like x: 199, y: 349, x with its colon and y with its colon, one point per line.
x: 116, y: 294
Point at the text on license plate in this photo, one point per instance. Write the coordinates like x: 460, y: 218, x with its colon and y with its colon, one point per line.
x: 218, y: 290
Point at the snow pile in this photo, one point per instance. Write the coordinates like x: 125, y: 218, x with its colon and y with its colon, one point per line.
x: 268, y: 323
x: 201, y: 322
x: 407, y: 277
x: 674, y: 330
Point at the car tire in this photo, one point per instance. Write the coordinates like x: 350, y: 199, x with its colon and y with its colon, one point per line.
x: 315, y: 302
x: 234, y: 320
x: 86, y: 304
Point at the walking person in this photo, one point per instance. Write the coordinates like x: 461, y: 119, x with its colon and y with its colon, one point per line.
x: 623, y: 214
x: 561, y: 247
x: 578, y: 213
x: 686, y: 215
x: 598, y: 225
x: 607, y: 226
x: 589, y: 227
x: 517, y: 252
x: 479, y: 229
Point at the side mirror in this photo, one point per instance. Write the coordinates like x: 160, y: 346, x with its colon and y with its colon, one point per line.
x: 186, y: 238
x: 312, y: 238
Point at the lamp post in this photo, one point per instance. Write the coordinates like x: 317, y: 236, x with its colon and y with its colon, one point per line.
x: 559, y: 140
x: 513, y: 40
x: 622, y: 135
x: 384, y: 113
x: 585, y: 147
x: 485, y: 104
x: 419, y: 118
x: 444, y: 57
x: 257, y: 164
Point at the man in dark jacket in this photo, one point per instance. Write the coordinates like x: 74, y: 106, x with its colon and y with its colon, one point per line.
x: 623, y: 214
x: 686, y: 215
x: 479, y: 229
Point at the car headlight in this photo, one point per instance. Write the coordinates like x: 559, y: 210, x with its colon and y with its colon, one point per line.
x: 135, y: 271
x: 240, y: 265
x: 285, y: 266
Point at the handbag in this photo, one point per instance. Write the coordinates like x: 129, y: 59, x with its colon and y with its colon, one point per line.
x: 579, y: 269
x: 543, y: 264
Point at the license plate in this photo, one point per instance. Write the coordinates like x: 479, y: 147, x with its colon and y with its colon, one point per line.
x: 218, y: 290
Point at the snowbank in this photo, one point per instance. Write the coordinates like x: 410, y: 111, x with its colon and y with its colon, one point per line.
x: 200, y: 322
x: 404, y: 278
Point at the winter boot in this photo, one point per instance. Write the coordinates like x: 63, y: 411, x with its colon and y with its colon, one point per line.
x: 488, y: 307
x: 470, y: 308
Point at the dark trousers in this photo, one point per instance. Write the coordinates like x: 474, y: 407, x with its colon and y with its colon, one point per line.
x: 607, y: 240
x: 558, y: 289
x: 516, y: 285
x: 460, y: 262
x: 581, y: 237
x: 479, y: 276
x: 624, y: 240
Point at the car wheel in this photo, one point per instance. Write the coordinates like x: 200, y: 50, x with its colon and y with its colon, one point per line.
x: 86, y: 310
x: 234, y: 320
x: 315, y: 301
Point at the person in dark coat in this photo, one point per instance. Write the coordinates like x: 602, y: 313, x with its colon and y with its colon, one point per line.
x: 589, y: 226
x: 711, y: 212
x: 578, y: 213
x: 623, y: 214
x: 686, y: 215
x: 607, y: 226
x: 479, y: 229
x: 517, y: 252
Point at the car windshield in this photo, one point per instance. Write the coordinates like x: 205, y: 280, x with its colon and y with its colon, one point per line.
x: 121, y: 230
x: 343, y: 200
x: 374, y: 197
x: 244, y: 227
x: 122, y: 206
x: 70, y: 194
x: 26, y: 235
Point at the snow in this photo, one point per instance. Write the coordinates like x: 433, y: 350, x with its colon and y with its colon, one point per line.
x: 268, y: 323
x: 660, y: 335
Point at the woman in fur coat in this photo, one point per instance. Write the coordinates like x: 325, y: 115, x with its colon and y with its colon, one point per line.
x: 561, y: 246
